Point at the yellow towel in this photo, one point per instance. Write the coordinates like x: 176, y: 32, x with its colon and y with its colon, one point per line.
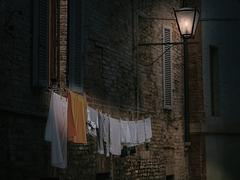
x: 77, y: 117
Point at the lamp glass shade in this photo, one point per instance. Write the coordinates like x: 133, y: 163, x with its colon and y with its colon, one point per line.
x: 187, y: 20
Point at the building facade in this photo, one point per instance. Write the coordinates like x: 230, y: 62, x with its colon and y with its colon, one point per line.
x: 221, y: 86
x: 110, y: 50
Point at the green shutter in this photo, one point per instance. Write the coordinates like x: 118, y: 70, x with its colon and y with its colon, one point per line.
x: 76, y: 45
x: 40, y: 43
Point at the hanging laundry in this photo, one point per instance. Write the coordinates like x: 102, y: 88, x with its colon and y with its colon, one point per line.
x: 103, y: 134
x: 148, y: 129
x: 56, y: 130
x: 106, y: 135
x: 125, y: 132
x: 115, y: 137
x: 92, y: 121
x: 140, y: 131
x: 100, y: 141
x: 133, y: 132
x: 77, y: 118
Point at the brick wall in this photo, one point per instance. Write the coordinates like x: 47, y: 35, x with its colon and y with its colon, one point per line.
x: 197, y: 157
x: 115, y: 81
x: 197, y: 149
x: 63, y: 26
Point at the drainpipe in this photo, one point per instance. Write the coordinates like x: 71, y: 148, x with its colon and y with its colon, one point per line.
x: 186, y: 93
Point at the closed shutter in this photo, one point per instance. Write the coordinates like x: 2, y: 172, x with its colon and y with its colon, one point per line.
x: 167, y: 74
x: 76, y: 45
x: 40, y: 43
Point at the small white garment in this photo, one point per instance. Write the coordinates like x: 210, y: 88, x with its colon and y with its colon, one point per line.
x: 133, y: 133
x: 92, y: 121
x: 115, y: 137
x: 148, y: 129
x: 125, y: 132
x: 56, y: 130
x: 140, y: 131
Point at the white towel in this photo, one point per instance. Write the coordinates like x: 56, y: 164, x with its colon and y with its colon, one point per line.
x: 56, y: 130
x: 148, y: 129
x: 115, y: 137
x: 125, y: 132
x: 140, y: 131
x: 133, y: 133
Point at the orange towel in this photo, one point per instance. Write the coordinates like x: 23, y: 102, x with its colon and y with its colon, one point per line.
x: 77, y: 118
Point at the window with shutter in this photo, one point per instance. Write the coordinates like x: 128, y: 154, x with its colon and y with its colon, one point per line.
x: 76, y: 44
x: 40, y: 43
x: 45, y: 59
x: 167, y: 68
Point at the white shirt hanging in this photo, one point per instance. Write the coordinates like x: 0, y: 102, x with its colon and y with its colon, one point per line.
x: 125, y: 132
x: 115, y: 137
x: 56, y: 130
x: 140, y: 131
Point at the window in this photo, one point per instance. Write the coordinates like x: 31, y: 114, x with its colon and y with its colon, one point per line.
x: 76, y: 44
x: 46, y: 36
x: 167, y: 68
x: 214, y: 80
x: 45, y: 54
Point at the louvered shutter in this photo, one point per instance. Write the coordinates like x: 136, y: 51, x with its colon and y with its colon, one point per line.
x: 40, y: 43
x: 76, y: 55
x: 167, y: 80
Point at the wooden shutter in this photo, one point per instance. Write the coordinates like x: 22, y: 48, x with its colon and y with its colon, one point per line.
x: 40, y: 43
x: 76, y: 45
x: 167, y: 68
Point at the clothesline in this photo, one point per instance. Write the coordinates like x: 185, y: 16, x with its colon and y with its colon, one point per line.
x: 103, y: 103
x: 100, y: 102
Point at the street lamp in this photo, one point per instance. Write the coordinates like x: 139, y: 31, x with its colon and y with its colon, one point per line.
x: 187, y: 21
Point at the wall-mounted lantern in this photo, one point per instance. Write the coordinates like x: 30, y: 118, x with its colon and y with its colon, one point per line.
x: 187, y: 21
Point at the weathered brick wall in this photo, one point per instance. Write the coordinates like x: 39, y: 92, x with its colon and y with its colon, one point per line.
x: 63, y: 38
x: 197, y: 157
x: 110, y: 82
x: 112, y: 68
x: 110, y: 71
x: 168, y: 126
x: 110, y: 77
